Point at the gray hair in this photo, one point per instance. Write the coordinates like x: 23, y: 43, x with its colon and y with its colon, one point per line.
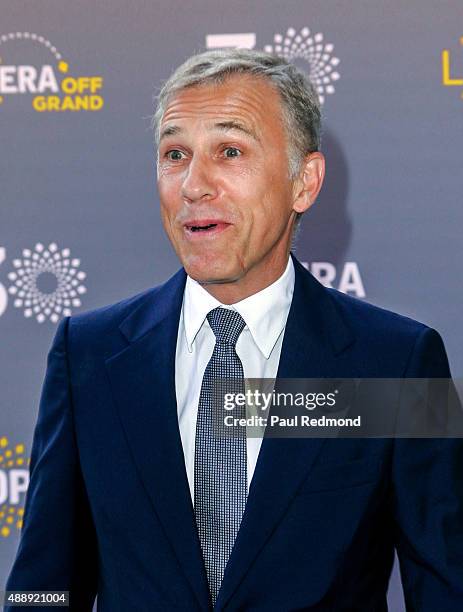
x: 300, y: 104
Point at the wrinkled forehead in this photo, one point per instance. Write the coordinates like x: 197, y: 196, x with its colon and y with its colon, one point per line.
x: 254, y: 102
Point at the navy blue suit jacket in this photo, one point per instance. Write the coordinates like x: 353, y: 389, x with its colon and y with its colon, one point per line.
x: 108, y: 510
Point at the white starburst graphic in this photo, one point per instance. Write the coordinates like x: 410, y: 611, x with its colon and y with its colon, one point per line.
x: 68, y: 282
x: 312, y: 49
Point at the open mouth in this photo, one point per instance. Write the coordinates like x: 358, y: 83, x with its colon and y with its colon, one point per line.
x: 205, y: 228
x: 201, y: 228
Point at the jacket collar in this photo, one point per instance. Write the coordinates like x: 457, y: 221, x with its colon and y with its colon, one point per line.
x: 311, y: 308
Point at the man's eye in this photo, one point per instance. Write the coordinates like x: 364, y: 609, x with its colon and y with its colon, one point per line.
x: 174, y: 155
x: 232, y: 152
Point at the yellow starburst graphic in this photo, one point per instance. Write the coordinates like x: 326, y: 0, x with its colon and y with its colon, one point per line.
x: 11, y: 516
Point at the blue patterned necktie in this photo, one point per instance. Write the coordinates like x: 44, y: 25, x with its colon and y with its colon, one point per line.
x: 220, y: 461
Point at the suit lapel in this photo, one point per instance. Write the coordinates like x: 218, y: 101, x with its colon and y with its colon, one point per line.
x: 314, y: 335
x: 143, y: 380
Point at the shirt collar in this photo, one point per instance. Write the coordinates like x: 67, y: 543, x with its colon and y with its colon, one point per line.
x: 264, y: 313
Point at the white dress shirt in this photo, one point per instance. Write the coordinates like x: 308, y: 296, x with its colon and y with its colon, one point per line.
x: 259, y: 347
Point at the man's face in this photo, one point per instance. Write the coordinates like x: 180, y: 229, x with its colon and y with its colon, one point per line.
x: 225, y: 193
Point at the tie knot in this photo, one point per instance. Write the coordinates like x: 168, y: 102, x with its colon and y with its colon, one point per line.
x: 226, y: 324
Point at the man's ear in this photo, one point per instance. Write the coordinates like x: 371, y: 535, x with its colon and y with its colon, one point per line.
x: 309, y: 182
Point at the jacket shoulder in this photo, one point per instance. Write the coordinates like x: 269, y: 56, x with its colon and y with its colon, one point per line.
x: 111, y: 314
x: 392, y: 344
x: 369, y: 318
x: 97, y: 331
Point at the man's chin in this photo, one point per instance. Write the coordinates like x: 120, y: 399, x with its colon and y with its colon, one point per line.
x: 209, y: 279
x: 212, y: 274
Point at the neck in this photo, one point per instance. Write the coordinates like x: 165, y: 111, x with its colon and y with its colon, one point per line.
x: 254, y: 281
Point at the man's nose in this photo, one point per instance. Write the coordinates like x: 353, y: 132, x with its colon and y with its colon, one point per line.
x: 198, y: 183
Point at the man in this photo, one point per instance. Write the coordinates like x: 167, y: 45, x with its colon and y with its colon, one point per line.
x: 132, y: 497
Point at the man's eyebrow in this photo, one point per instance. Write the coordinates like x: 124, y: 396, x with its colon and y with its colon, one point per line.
x: 236, y: 125
x: 224, y: 126
x: 170, y: 130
